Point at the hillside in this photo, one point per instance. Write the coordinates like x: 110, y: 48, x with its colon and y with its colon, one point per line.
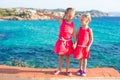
x: 32, y: 13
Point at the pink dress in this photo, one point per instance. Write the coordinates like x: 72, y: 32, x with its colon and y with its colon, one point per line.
x: 83, y: 41
x: 64, y: 44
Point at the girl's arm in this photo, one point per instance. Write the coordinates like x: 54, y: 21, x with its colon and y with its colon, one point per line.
x: 91, y: 38
x: 74, y: 35
x: 75, y: 39
x: 77, y: 35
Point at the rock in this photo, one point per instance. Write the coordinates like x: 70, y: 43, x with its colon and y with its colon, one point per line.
x: 38, y: 14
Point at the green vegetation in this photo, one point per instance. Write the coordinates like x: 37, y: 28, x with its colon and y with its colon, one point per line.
x: 7, y: 12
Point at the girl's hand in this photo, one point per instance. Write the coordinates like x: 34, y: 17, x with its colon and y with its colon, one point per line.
x: 74, y: 45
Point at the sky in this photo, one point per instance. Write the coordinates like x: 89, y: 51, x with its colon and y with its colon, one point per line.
x: 80, y: 5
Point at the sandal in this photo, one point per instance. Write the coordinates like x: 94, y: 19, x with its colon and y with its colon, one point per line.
x: 69, y: 73
x: 79, y: 72
x: 56, y: 72
x: 83, y: 73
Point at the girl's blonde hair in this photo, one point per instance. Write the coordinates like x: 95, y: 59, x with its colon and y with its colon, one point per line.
x: 88, y: 16
x: 67, y: 11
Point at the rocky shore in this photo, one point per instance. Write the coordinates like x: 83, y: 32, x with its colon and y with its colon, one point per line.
x: 38, y: 14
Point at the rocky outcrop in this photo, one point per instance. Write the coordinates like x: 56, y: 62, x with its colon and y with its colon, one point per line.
x: 12, y: 18
x: 38, y: 14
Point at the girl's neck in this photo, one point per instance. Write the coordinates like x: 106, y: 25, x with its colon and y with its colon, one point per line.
x: 68, y: 21
x: 84, y: 26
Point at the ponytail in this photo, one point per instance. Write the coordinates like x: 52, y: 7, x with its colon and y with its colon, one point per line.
x: 64, y: 16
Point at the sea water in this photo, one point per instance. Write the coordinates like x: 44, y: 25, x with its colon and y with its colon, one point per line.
x: 32, y: 42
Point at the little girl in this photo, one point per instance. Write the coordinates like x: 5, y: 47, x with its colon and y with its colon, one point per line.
x: 83, y: 44
x: 64, y: 46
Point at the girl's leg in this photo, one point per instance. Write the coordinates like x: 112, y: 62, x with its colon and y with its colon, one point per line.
x: 85, y: 65
x: 56, y: 72
x: 84, y: 68
x: 67, y: 65
x: 79, y: 72
x: 80, y: 64
x: 67, y: 62
x: 60, y: 62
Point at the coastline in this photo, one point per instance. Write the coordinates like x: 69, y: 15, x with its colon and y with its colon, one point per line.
x: 38, y: 14
x: 21, y: 73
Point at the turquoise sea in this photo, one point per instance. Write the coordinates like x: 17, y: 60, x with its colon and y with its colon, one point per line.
x: 32, y: 42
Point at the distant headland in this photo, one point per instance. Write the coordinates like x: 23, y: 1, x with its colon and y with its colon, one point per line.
x: 38, y: 14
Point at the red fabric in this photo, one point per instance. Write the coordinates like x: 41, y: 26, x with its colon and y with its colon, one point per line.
x: 83, y: 36
x: 66, y: 31
x: 83, y: 40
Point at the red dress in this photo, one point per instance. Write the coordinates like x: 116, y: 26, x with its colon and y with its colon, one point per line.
x: 83, y: 41
x: 64, y: 44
